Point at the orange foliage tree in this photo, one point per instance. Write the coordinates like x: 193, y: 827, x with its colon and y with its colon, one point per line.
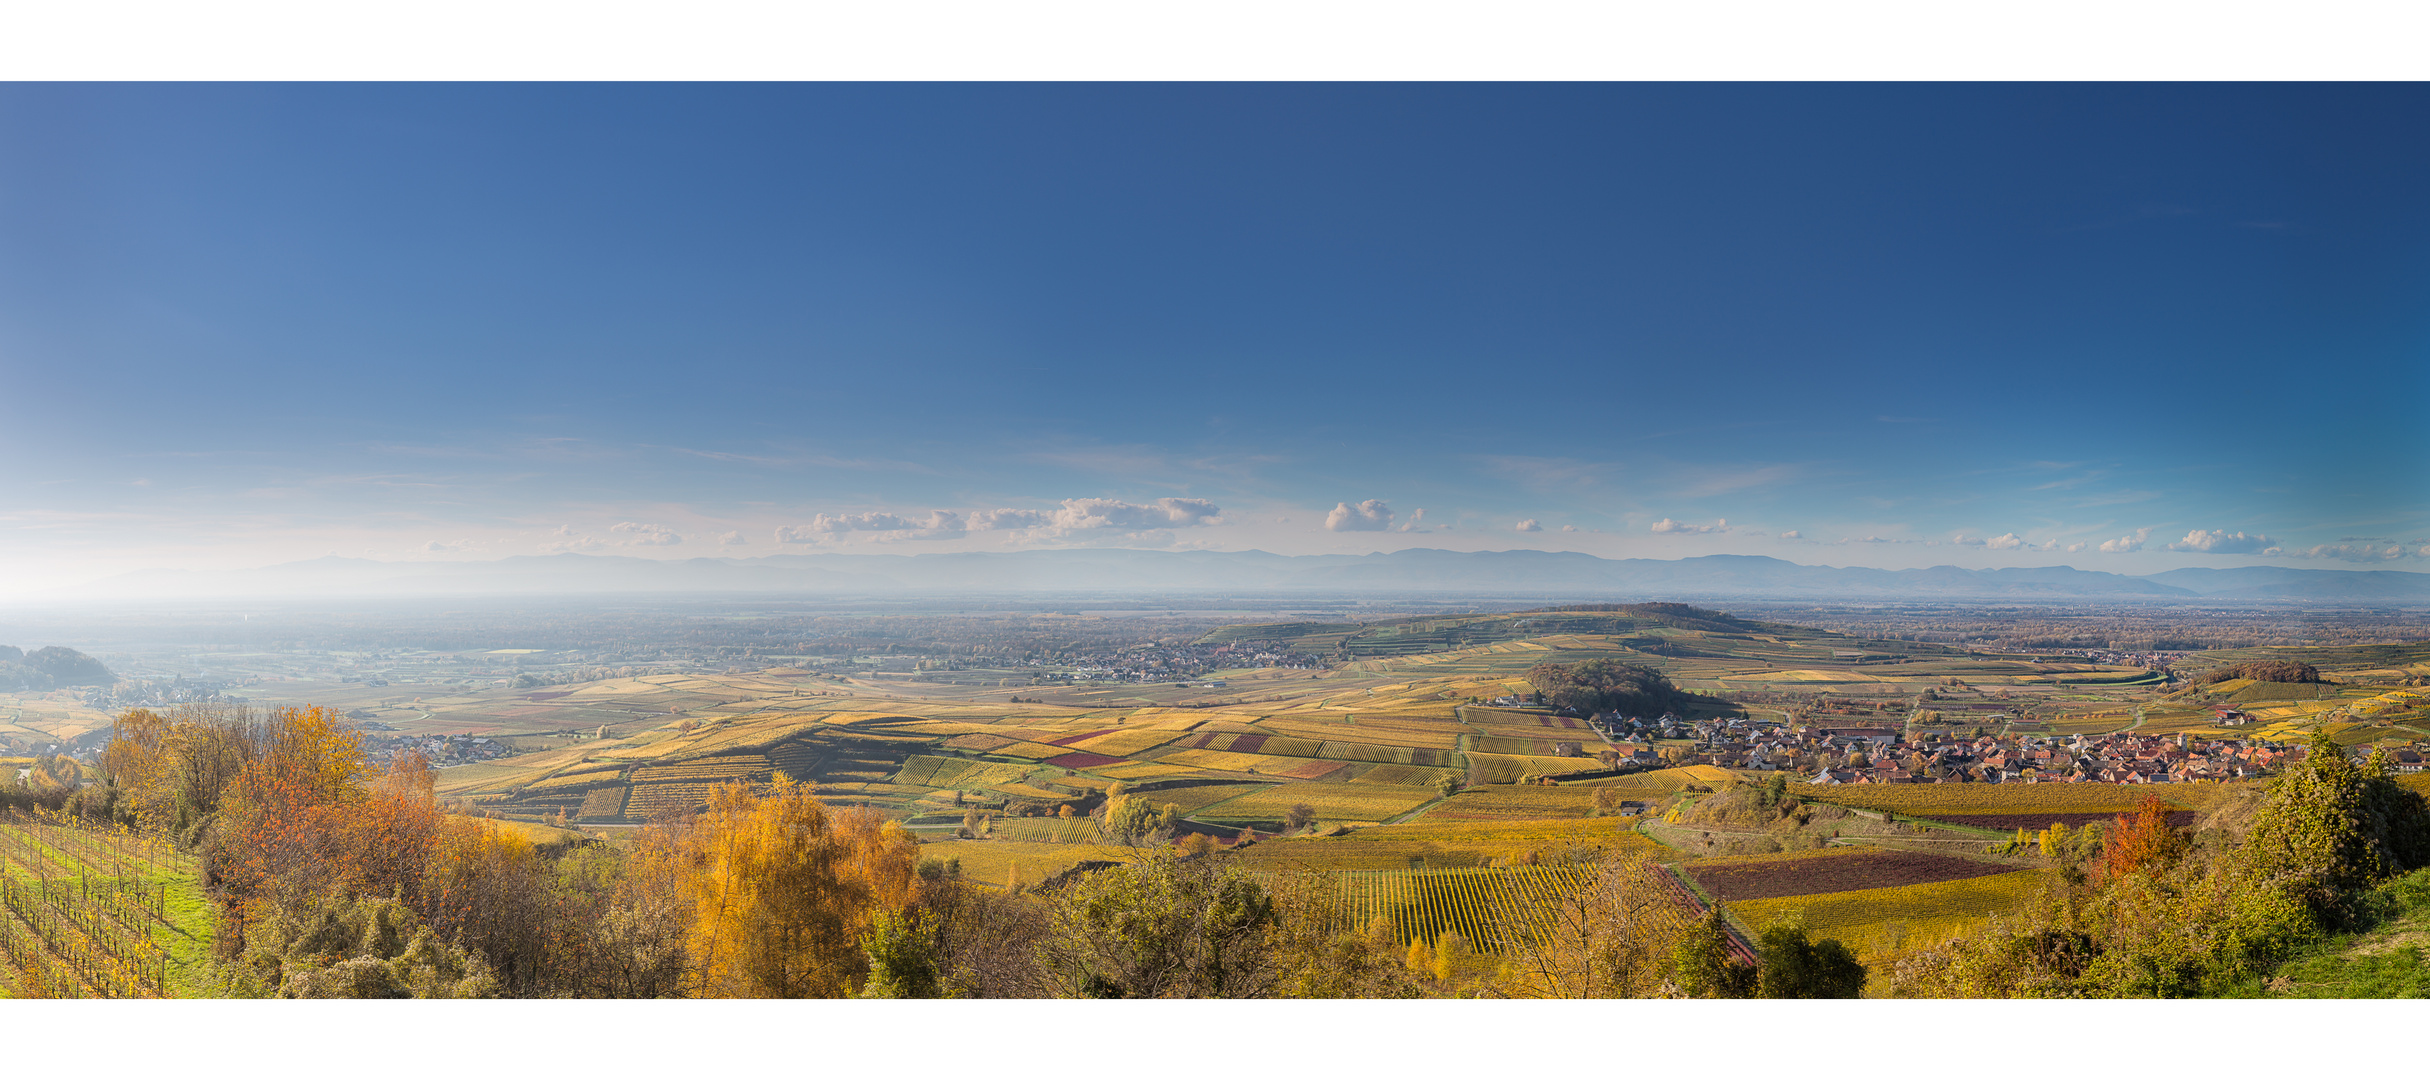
x: 782, y: 890
x: 300, y: 821
x: 2145, y: 841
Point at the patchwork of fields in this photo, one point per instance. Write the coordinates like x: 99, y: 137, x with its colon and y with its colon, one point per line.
x: 1415, y: 788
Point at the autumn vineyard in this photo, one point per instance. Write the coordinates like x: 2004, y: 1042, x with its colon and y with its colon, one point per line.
x: 87, y: 910
x: 1453, y: 813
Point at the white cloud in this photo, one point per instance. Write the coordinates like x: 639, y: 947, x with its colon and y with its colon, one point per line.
x: 1116, y: 514
x: 1411, y: 525
x: 2075, y: 547
x: 1569, y: 528
x: 731, y: 539
x: 1530, y: 525
x: 2362, y: 553
x: 441, y: 546
x: 2222, y: 542
x: 1370, y: 515
x: 2124, y: 544
x: 1793, y: 534
x: 2005, y: 542
x: 1076, y: 515
x: 1666, y: 525
x: 645, y: 534
x: 938, y: 525
x: 1008, y: 518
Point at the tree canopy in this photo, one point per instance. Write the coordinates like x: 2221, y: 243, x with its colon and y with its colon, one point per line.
x: 1606, y: 686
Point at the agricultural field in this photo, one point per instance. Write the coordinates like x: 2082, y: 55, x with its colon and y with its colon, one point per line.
x: 1007, y: 863
x: 1831, y: 871
x: 1879, y: 924
x: 86, y: 913
x: 59, y: 716
x: 1366, y: 740
x: 1486, y: 905
x: 1938, y: 800
x: 1514, y: 803
x: 1509, y: 768
x: 1429, y: 844
x: 1334, y: 803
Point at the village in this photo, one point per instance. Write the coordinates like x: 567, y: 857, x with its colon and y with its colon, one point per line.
x: 1889, y: 753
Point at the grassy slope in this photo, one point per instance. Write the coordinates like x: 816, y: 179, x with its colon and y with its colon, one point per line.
x: 2384, y: 961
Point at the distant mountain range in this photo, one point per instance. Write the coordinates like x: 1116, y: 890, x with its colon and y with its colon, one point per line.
x: 1567, y: 575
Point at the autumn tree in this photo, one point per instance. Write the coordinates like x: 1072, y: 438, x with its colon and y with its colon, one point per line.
x: 2331, y: 828
x: 903, y: 954
x: 1160, y: 928
x: 1702, y: 966
x: 1791, y: 965
x: 1298, y: 817
x: 782, y: 891
x: 1132, y: 820
x: 2144, y: 842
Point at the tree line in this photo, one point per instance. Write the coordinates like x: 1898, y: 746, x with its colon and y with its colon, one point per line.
x: 49, y: 668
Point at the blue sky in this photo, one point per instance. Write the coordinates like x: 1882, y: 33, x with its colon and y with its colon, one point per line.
x: 2117, y: 327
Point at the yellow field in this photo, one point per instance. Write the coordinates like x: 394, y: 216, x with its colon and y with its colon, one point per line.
x: 1228, y: 761
x: 1508, y: 768
x: 1031, y: 750
x: 1664, y: 781
x: 1511, y: 802
x: 704, y: 770
x: 570, y: 782
x: 1505, y: 744
x: 661, y: 798
x: 1927, y: 800
x: 1025, y: 791
x: 1802, y: 676
x: 1430, y: 843
x: 606, y: 802
x: 1142, y: 770
x: 1195, y: 796
x: 1421, y: 905
x: 1128, y: 741
x: 1411, y: 775
x: 1334, y: 803
x: 945, y: 772
x: 1370, y: 732
x: 1880, y: 923
x: 993, y: 862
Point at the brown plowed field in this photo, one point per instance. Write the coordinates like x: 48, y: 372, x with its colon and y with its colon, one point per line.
x: 1835, y: 872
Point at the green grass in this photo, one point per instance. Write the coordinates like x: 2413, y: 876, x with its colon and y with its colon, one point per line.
x: 192, y: 925
x: 2384, y: 961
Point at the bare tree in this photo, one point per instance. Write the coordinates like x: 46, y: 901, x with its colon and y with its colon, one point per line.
x: 1612, y: 936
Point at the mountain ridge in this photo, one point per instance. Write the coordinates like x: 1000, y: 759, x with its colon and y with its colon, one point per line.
x: 1411, y: 570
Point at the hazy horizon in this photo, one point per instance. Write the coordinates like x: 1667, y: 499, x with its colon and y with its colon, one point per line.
x: 2126, y: 328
